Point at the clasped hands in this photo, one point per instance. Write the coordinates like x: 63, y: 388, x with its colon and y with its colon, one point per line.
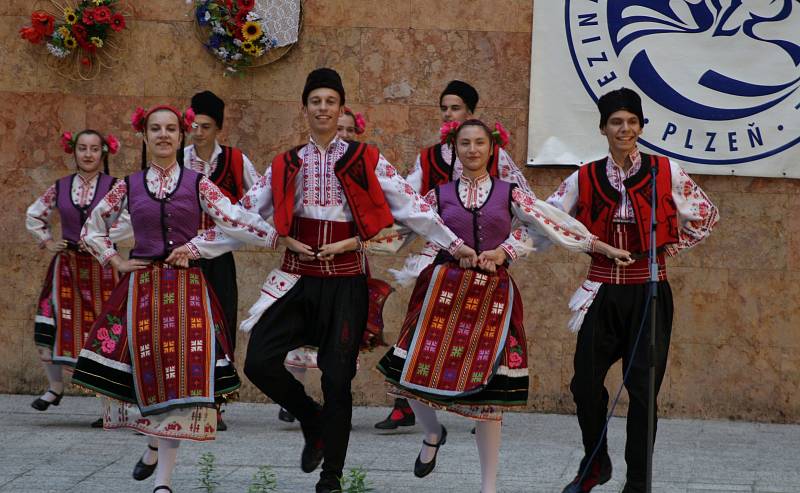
x: 488, y: 260
x: 325, y: 252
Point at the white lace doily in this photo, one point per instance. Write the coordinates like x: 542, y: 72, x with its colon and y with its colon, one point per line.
x: 280, y: 19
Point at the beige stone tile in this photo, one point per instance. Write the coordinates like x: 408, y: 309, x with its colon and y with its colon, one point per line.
x: 411, y: 66
x: 21, y: 60
x: 723, y: 381
x: 473, y: 15
x: 344, y: 13
x: 493, y: 65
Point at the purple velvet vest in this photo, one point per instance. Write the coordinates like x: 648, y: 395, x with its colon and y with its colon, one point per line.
x: 72, y: 215
x: 484, y: 228
x: 161, y: 225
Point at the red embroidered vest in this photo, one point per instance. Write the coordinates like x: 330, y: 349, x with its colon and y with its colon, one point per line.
x: 355, y: 171
x: 228, y: 176
x: 435, y: 171
x: 598, y: 200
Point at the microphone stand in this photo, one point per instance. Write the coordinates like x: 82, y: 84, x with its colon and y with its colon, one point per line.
x: 651, y: 347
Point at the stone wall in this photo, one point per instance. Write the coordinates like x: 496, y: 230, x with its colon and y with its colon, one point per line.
x: 735, y: 340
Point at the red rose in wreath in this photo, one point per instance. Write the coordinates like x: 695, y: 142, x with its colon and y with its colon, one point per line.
x: 43, y: 22
x: 246, y: 4
x: 102, y: 15
x: 117, y: 22
x: 31, y: 34
x: 88, y: 17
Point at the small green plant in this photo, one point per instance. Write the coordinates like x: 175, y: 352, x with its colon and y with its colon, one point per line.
x: 355, y: 482
x: 208, y: 473
x: 264, y: 481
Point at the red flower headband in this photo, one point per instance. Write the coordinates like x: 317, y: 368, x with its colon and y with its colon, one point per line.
x: 68, y: 143
x: 358, y: 118
x: 449, y: 130
x: 140, y: 116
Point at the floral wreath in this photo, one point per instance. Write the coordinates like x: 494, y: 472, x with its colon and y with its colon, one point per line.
x: 500, y: 135
x: 69, y: 141
x: 140, y: 116
x: 80, y: 34
x: 234, y: 33
x: 358, y: 118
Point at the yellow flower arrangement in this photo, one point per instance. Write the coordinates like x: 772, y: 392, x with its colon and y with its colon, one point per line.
x: 69, y: 16
x: 248, y: 46
x: 64, y: 32
x: 70, y: 42
x: 97, y: 41
x: 251, y: 31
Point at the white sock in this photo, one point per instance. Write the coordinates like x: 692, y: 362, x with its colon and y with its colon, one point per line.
x: 55, y: 378
x: 167, y: 457
x: 488, y: 435
x: 150, y: 456
x: 426, y: 416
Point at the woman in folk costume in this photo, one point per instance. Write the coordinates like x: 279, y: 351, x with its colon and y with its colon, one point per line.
x: 437, y: 165
x: 233, y: 172
x: 350, y: 125
x: 159, y: 350
x: 76, y: 285
x: 462, y: 345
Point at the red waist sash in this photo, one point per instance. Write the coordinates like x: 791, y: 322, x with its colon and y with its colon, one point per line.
x: 315, y: 233
x: 625, y: 236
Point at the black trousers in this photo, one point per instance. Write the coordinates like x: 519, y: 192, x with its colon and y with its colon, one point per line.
x: 220, y: 272
x: 327, y: 312
x: 608, y: 334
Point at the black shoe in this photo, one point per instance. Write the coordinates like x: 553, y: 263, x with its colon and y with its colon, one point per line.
x: 98, y: 423
x: 329, y: 484
x: 401, y: 415
x: 41, y: 405
x: 285, y: 416
x: 311, y: 457
x: 142, y: 471
x: 634, y: 487
x: 599, y: 473
x: 221, y: 426
x: 422, y: 469
x: 162, y: 489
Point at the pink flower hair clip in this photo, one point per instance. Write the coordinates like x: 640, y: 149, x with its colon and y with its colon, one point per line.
x: 448, y: 132
x: 500, y: 135
x: 112, y: 144
x: 361, y: 123
x: 68, y: 142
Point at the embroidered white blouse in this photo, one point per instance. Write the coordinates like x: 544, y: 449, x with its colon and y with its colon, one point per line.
x: 192, y: 161
x: 697, y: 216
x: 39, y: 215
x: 234, y: 220
x: 319, y: 195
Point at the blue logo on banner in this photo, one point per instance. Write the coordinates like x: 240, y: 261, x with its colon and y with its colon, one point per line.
x: 719, y: 79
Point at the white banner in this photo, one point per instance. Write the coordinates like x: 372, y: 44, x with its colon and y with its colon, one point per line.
x: 719, y: 80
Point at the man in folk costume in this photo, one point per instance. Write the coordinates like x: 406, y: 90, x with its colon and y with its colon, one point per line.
x: 231, y: 170
x: 326, y: 197
x: 611, y: 197
x: 437, y: 165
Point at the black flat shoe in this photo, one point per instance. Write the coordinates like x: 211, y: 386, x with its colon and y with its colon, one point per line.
x: 328, y: 484
x: 599, y: 473
x: 98, y: 423
x: 285, y: 416
x: 400, y: 415
x: 142, y: 471
x: 41, y: 405
x: 422, y: 469
x: 312, y: 455
x: 162, y: 489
